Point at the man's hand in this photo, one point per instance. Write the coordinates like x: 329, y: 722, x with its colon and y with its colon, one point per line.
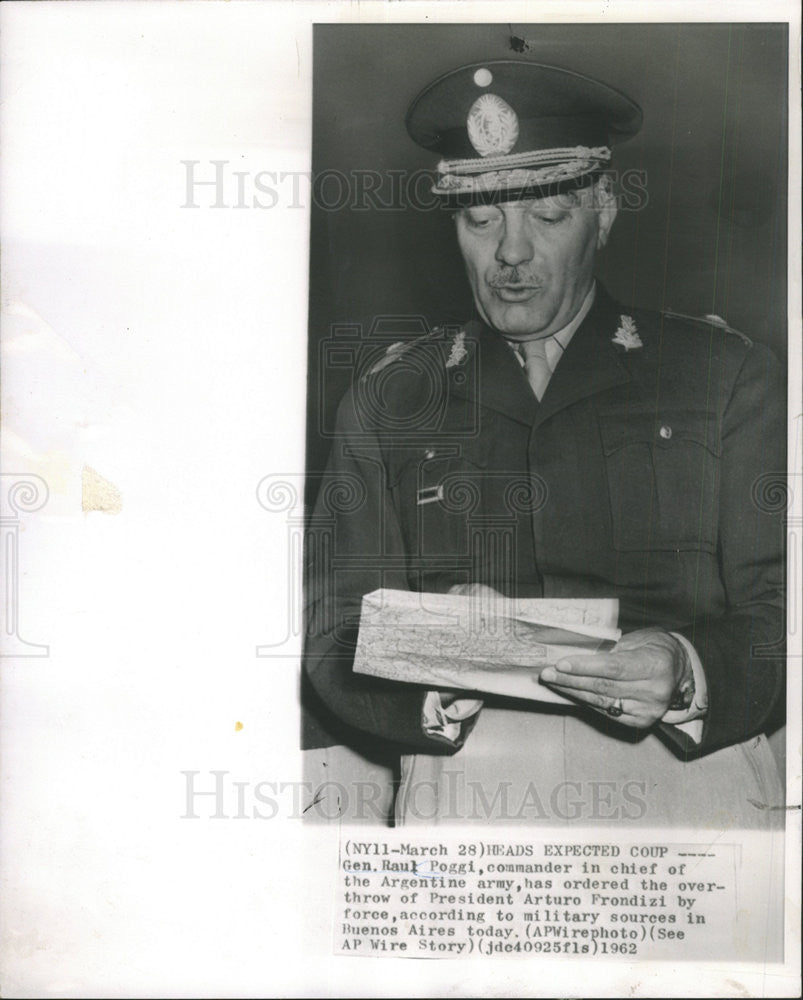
x: 634, y: 683
x: 488, y: 601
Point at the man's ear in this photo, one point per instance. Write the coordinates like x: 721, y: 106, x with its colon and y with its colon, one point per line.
x: 605, y: 201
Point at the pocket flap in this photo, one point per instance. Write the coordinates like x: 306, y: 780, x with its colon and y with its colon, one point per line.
x: 438, y: 459
x: 620, y: 428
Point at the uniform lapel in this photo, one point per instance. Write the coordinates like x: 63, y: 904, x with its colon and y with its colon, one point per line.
x: 591, y: 363
x: 498, y: 380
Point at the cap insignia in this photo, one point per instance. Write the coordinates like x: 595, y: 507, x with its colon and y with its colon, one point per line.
x: 493, y: 126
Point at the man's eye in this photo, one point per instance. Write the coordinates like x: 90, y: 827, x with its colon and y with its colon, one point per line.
x: 481, y: 222
x: 551, y: 220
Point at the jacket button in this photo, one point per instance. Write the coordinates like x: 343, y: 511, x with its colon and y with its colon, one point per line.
x: 665, y: 432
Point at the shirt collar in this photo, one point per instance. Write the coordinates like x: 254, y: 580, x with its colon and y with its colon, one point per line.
x: 557, y: 343
x: 565, y: 335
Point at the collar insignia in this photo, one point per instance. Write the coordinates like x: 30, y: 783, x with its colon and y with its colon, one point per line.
x: 458, y: 352
x: 627, y: 335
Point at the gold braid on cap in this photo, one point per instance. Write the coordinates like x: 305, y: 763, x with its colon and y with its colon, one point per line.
x: 490, y: 173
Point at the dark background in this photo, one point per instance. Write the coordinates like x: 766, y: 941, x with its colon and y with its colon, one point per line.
x: 711, y: 237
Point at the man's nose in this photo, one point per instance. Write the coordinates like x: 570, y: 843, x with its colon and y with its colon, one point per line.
x: 515, y: 247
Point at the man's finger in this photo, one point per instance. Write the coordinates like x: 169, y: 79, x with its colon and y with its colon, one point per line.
x: 606, y: 688
x: 616, y: 666
x: 602, y: 703
x: 629, y: 711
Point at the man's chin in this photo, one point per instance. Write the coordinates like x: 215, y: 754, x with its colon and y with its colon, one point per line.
x: 518, y: 320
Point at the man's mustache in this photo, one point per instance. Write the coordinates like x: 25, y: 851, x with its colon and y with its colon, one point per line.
x: 513, y: 276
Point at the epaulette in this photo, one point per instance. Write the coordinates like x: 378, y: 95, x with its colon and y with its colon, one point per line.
x: 401, y: 347
x: 709, y: 320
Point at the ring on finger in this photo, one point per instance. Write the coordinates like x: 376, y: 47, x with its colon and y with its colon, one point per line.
x: 615, y: 709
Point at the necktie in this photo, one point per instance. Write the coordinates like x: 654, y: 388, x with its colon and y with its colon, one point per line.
x: 536, y: 366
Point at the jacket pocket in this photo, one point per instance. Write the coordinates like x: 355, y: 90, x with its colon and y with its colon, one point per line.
x: 436, y: 488
x: 464, y: 512
x: 662, y: 471
x: 438, y: 470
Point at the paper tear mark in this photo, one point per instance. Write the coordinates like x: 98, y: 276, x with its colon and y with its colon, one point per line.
x: 98, y: 493
x: 763, y: 805
x: 315, y: 801
x: 740, y: 989
x: 319, y: 798
x: 237, y: 727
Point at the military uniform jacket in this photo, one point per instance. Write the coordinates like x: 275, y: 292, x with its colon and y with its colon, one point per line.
x: 650, y: 471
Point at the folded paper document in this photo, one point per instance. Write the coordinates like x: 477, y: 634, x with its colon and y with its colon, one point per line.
x: 491, y: 644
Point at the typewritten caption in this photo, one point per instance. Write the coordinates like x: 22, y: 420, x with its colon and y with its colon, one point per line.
x: 426, y: 897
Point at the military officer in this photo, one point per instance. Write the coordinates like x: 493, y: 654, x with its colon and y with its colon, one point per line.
x: 561, y: 444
